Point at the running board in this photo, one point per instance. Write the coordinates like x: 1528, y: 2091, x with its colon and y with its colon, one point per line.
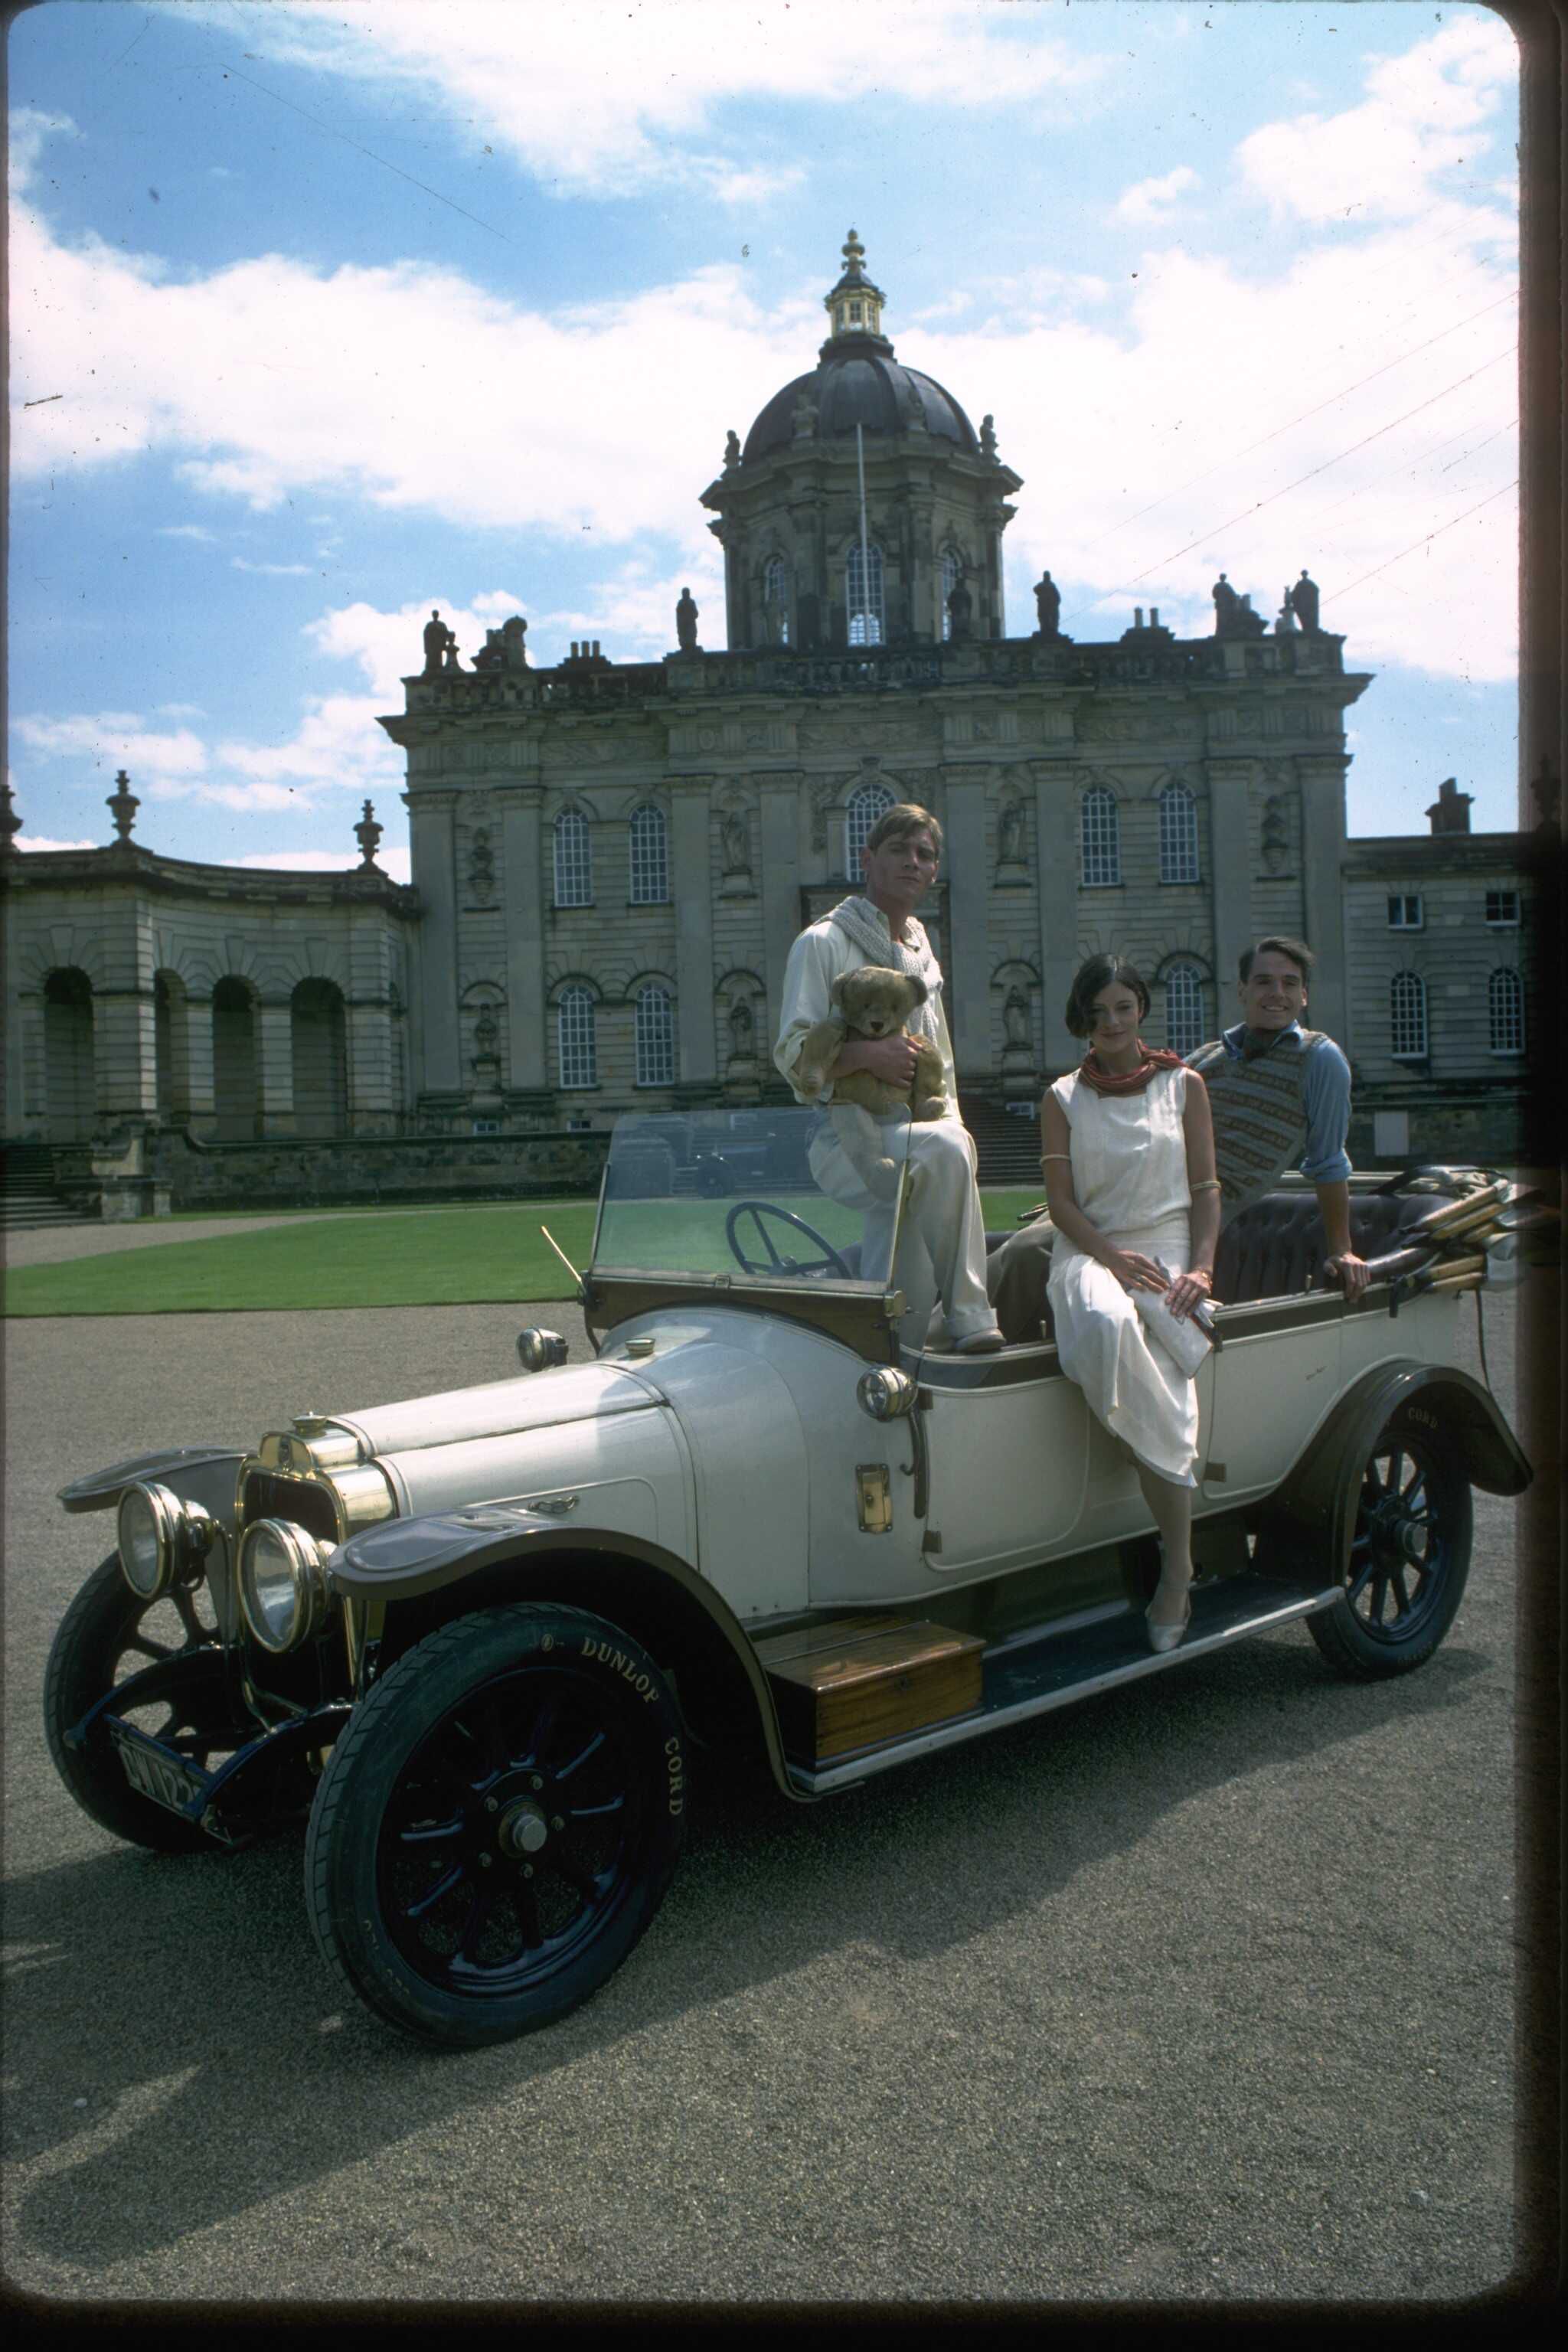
x: 1024, y: 1677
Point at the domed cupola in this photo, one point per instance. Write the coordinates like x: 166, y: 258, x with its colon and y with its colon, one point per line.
x: 798, y: 570
x: 856, y: 379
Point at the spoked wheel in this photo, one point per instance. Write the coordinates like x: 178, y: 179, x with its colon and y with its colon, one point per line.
x: 1409, y: 1557
x: 108, y: 1634
x: 760, y: 1214
x: 498, y: 1825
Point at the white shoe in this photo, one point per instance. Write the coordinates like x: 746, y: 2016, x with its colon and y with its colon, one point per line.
x: 980, y: 1343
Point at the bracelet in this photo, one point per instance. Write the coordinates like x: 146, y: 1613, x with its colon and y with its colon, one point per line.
x: 1054, y: 1155
x: 1205, y: 1185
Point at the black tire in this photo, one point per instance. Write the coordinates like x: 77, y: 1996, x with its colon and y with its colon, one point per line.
x: 109, y: 1633
x: 1409, y: 1557
x: 498, y: 1825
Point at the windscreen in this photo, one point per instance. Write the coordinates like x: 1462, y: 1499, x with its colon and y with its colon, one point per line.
x: 781, y: 1195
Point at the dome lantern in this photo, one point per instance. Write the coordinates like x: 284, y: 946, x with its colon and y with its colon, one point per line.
x: 855, y: 304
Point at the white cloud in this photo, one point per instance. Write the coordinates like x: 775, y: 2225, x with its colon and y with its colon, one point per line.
x: 29, y: 130
x: 1425, y: 115
x: 115, y: 739
x: 196, y: 531
x: 40, y: 841
x: 394, y: 862
x: 1151, y: 200
x: 272, y: 570
x: 1107, y: 405
x: 179, y: 710
x: 598, y: 101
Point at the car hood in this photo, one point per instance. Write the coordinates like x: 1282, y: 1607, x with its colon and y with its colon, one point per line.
x: 499, y: 1409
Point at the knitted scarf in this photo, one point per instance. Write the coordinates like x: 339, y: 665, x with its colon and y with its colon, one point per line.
x: 868, y: 927
x: 1127, y: 1082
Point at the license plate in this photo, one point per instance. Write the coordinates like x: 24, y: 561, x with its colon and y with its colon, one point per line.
x: 166, y: 1778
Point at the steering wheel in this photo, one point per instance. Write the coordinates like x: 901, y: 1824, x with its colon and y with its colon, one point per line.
x: 828, y: 1262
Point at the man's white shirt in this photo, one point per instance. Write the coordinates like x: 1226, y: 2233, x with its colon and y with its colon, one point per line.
x: 821, y: 954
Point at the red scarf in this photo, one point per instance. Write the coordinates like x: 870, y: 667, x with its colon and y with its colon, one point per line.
x: 1129, y: 1082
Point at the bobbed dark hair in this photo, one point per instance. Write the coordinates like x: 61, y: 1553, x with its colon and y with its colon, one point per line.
x: 1099, y: 973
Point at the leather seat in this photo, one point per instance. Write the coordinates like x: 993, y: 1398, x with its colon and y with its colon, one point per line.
x: 1276, y: 1248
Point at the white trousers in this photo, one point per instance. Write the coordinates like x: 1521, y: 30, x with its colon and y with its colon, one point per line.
x: 942, y: 1244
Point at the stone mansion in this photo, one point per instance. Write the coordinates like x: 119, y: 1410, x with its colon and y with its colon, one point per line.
x: 610, y: 859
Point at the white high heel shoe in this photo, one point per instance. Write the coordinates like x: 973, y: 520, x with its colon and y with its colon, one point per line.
x: 1167, y: 1637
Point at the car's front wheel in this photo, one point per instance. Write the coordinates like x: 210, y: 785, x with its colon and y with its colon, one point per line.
x: 1409, y: 1557
x: 498, y: 1825
x: 108, y: 1634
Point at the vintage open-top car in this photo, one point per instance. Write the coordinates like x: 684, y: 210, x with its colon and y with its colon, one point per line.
x: 483, y: 1636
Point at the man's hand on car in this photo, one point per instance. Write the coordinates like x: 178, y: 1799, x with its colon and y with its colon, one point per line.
x: 1349, y: 1271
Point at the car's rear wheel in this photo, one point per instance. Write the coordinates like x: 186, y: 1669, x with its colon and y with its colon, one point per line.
x: 1409, y: 1557
x: 107, y: 1634
x: 498, y: 1825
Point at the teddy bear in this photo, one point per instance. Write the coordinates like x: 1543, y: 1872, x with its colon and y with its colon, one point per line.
x: 871, y: 1002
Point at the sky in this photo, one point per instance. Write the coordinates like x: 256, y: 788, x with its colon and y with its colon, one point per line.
x: 324, y: 314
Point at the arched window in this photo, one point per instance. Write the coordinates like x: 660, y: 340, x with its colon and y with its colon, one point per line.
x: 1505, y: 1012
x: 319, y: 1037
x: 863, y: 595
x: 1100, y: 837
x: 1184, y: 1030
x: 170, y: 1046
x: 651, y: 857
x: 775, y: 600
x: 236, y: 1078
x: 1408, y: 1009
x: 71, y: 1090
x: 866, y: 805
x: 952, y: 574
x: 575, y: 1037
x: 574, y: 860
x: 655, y: 1038
x: 1178, y: 836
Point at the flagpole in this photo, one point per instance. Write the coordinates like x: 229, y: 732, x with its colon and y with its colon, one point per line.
x: 864, y: 553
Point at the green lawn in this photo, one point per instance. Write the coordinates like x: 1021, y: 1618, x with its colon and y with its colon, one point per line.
x: 386, y: 1258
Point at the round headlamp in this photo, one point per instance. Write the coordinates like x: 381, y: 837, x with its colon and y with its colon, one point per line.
x: 283, y: 1583
x: 539, y: 1351
x: 886, y: 1394
x: 163, y: 1540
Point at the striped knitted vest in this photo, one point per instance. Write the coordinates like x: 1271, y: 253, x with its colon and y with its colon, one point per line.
x: 1259, y: 1118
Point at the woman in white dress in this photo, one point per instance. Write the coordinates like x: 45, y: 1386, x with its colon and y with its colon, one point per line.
x: 1128, y: 1150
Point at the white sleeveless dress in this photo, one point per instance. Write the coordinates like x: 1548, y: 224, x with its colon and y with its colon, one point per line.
x: 1129, y: 1179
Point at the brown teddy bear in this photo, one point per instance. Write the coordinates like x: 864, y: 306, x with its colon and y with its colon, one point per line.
x: 871, y: 1002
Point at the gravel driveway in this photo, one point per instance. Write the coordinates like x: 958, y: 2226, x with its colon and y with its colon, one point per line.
x: 1203, y: 1990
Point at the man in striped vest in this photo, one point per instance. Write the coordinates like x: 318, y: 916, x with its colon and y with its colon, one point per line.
x: 1280, y: 1096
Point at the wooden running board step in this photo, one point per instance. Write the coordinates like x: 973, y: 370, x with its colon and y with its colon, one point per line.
x: 1027, y: 1675
x: 856, y: 1681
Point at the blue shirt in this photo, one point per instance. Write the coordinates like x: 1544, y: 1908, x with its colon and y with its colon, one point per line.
x: 1325, y: 1098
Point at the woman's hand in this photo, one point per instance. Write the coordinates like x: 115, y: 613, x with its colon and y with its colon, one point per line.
x: 1133, y: 1271
x: 1189, y: 1290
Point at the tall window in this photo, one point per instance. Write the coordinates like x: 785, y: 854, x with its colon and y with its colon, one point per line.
x: 651, y: 857
x: 863, y: 595
x: 575, y: 1037
x: 1408, y: 1009
x: 866, y: 805
x: 655, y: 1038
x: 1183, y: 1008
x: 952, y: 572
x: 775, y: 600
x: 574, y: 860
x: 1101, y: 835
x: 1178, y: 836
x: 1505, y: 1012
